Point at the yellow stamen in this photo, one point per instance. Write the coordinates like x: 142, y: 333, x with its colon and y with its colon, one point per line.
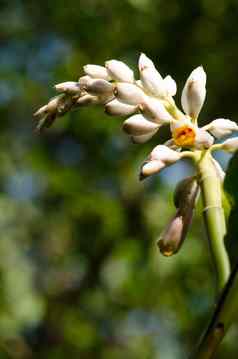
x: 184, y: 136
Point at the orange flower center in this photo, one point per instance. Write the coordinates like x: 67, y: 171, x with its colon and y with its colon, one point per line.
x: 184, y: 136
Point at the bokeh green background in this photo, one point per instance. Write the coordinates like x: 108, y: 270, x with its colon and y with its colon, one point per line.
x: 80, y: 274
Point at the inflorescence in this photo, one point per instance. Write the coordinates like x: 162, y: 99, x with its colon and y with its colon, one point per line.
x: 150, y: 105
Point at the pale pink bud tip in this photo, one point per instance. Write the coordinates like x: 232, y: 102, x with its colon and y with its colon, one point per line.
x: 144, y: 62
x: 119, y: 71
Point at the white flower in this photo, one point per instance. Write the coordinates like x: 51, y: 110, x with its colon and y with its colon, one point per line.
x: 96, y: 71
x: 150, y: 78
x: 160, y: 157
x: 221, y: 127
x: 119, y: 71
x: 194, y: 92
x: 129, y: 93
x: 99, y: 87
x: 230, y: 145
x: 143, y: 138
x: 70, y: 87
x: 155, y: 110
x: 117, y: 108
x: 144, y: 62
x: 138, y: 125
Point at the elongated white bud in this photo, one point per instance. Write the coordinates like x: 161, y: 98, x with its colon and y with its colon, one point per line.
x: 150, y: 168
x: 96, y: 72
x: 230, y: 145
x: 156, y: 111
x: 153, y: 82
x: 99, y: 87
x: 86, y: 100
x: 170, y: 85
x: 203, y: 139
x: 143, y: 138
x: 165, y: 154
x: 119, y: 71
x: 117, y: 108
x: 194, y: 92
x: 70, y: 87
x: 138, y: 125
x: 129, y: 93
x: 84, y: 81
x: 144, y: 62
x: 221, y: 127
x: 160, y: 157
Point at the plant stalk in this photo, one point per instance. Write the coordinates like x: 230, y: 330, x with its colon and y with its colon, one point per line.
x: 223, y: 316
x: 214, y: 217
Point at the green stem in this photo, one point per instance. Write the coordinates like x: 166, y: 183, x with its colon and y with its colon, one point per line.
x: 214, y: 217
x: 225, y: 311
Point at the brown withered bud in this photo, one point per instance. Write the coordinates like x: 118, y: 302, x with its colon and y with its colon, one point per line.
x: 186, y: 192
x: 175, y: 232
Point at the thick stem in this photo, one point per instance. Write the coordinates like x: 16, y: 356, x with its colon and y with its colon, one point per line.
x: 214, y: 217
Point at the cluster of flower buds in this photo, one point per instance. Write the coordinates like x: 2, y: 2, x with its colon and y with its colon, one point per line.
x: 148, y: 104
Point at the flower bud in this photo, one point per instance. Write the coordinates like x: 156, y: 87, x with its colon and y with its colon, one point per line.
x: 186, y: 193
x: 144, y: 62
x: 138, y: 125
x: 153, y: 82
x: 194, y: 92
x: 221, y: 127
x: 69, y: 87
x: 86, y: 100
x: 160, y: 157
x: 170, y: 85
x: 129, y: 93
x: 203, y: 139
x: 149, y: 168
x: 143, y: 138
x: 84, y: 81
x: 119, y: 71
x: 99, y: 87
x: 185, y: 197
x: 174, y: 234
x: 117, y: 108
x: 230, y: 145
x: 155, y: 110
x: 96, y: 72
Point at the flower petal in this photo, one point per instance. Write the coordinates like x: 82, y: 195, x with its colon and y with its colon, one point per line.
x: 129, y: 93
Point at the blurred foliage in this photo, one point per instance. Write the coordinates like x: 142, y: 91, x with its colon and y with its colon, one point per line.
x: 80, y: 272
